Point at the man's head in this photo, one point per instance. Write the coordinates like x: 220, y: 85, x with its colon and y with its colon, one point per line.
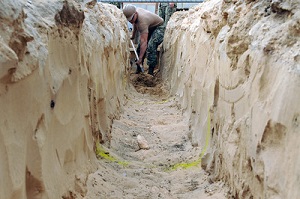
x: 129, y: 11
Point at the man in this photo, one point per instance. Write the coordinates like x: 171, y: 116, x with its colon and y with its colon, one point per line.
x: 166, y: 10
x: 151, y: 28
x: 169, y: 11
x: 162, y: 10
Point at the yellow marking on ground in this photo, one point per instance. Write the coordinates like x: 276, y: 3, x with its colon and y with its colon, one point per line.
x: 186, y: 165
x: 162, y: 102
x: 101, y: 153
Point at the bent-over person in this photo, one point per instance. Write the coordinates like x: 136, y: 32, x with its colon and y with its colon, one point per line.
x: 151, y: 28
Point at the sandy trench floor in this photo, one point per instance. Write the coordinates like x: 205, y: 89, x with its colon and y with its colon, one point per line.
x: 127, y: 171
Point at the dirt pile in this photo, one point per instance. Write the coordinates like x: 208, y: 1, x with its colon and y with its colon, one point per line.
x: 145, y: 83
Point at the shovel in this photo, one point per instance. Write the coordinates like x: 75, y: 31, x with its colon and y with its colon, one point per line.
x: 137, y: 57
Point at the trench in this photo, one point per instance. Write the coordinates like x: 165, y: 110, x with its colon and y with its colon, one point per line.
x: 150, y: 154
x: 226, y: 127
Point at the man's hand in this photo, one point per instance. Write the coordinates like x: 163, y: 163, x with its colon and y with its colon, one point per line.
x: 139, y: 62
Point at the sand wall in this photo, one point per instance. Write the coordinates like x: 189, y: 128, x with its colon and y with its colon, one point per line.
x: 235, y: 65
x: 62, y: 80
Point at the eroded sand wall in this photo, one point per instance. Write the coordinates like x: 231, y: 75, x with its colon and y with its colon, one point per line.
x: 61, y: 84
x: 235, y: 66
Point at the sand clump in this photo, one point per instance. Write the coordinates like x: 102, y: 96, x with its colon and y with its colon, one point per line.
x: 142, y: 142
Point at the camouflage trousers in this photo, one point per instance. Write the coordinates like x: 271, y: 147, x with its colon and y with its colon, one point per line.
x: 155, y: 38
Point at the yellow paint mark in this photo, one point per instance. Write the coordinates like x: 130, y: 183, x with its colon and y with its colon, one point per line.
x: 186, y: 165
x: 96, y: 85
x: 100, y: 152
x: 163, y: 101
x: 124, y: 80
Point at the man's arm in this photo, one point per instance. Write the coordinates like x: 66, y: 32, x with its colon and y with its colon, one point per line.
x: 143, y: 46
x: 133, y: 32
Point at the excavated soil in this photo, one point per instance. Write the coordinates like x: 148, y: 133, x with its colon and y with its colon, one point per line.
x: 164, y: 164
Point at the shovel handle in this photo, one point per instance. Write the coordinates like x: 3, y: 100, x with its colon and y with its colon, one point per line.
x: 136, y: 55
